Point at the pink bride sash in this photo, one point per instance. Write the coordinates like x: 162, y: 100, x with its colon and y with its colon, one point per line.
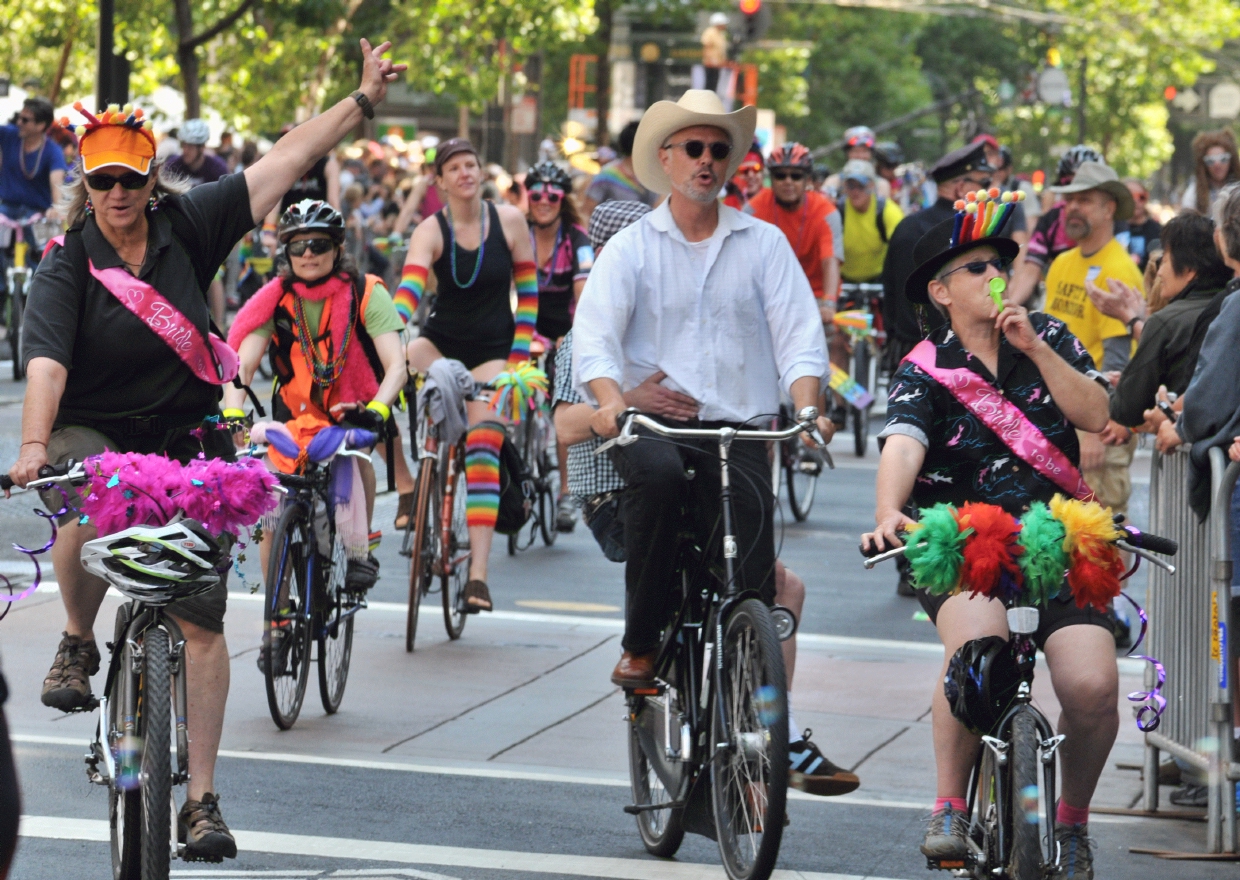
x: 208, y: 357
x: 1004, y: 418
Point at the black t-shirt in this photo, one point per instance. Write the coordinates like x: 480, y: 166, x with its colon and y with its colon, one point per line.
x: 966, y: 460
x: 117, y: 366
x: 311, y: 185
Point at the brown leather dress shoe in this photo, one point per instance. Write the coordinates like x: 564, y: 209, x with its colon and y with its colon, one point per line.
x: 634, y: 670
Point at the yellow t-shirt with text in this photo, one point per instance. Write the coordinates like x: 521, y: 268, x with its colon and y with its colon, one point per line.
x: 1067, y: 300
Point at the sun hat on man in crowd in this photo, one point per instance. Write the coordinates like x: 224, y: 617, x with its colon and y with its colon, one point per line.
x: 695, y: 107
x: 1097, y: 175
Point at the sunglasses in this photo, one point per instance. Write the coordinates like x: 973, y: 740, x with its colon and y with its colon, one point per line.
x: 316, y: 246
x: 750, y: 168
x: 788, y: 175
x: 1221, y: 159
x: 978, y: 267
x: 719, y: 150
x: 130, y: 180
x: 553, y: 196
x: 25, y: 120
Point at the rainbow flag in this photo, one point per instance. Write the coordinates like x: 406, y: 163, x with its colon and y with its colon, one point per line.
x: 849, y: 389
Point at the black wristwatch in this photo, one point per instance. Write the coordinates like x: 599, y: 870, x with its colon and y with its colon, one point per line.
x: 368, y: 109
x: 1133, y: 323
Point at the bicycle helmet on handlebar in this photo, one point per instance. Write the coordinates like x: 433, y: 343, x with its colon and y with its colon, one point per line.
x: 981, y: 682
x: 1072, y: 159
x: 547, y: 173
x: 157, y: 564
x: 311, y: 215
x: 791, y: 155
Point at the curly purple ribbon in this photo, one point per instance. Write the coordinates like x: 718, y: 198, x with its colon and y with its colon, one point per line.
x: 1149, y: 716
x: 34, y: 556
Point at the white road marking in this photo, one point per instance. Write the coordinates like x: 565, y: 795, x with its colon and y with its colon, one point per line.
x: 58, y: 828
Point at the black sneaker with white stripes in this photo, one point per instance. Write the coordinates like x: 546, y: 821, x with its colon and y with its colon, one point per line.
x: 812, y: 772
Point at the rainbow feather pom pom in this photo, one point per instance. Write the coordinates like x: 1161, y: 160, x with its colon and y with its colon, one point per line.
x: 1095, y: 566
x: 1044, y: 560
x: 516, y: 390
x: 935, y: 550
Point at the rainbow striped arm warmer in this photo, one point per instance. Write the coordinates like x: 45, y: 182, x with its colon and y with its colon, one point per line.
x: 527, y: 311
x: 409, y: 292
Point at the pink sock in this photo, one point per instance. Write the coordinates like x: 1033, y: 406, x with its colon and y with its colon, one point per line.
x: 1068, y: 815
x: 957, y: 804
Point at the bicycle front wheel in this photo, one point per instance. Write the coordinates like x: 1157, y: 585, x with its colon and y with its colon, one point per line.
x: 861, y: 417
x: 124, y: 798
x: 335, y: 651
x: 17, y: 310
x: 288, y: 637
x: 457, y: 554
x: 155, y: 699
x: 802, y: 481
x: 1025, y: 861
x: 749, y: 724
x: 423, y: 544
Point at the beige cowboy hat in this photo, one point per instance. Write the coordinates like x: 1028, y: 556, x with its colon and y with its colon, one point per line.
x: 1096, y: 175
x: 695, y: 107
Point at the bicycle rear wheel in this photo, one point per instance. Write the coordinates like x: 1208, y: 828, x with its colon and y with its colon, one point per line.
x: 288, y: 636
x: 335, y: 651
x: 17, y: 311
x: 749, y: 721
x: 1025, y: 860
x: 662, y: 831
x: 423, y: 544
x: 802, y: 483
x: 457, y: 554
x: 861, y: 417
x: 155, y: 699
x: 124, y: 805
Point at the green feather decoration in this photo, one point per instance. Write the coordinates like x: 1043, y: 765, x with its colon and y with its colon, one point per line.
x: 935, y: 550
x: 1044, y: 561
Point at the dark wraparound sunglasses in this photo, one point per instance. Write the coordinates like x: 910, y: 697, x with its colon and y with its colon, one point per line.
x: 978, y: 267
x: 316, y: 246
x: 785, y: 175
x: 130, y: 180
x: 719, y: 150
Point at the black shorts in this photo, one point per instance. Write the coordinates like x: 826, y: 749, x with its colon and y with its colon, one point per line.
x: 76, y: 442
x: 1055, y: 615
x: 471, y: 354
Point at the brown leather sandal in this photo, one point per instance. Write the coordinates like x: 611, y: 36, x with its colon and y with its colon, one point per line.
x: 476, y: 597
x: 404, y: 510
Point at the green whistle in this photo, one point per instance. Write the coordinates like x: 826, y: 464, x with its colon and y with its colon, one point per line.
x: 997, y: 286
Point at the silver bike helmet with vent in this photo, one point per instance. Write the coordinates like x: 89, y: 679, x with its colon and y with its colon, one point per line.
x: 157, y: 564
x: 311, y: 215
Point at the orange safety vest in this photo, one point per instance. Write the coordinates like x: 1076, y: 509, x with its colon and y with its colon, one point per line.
x: 299, y: 391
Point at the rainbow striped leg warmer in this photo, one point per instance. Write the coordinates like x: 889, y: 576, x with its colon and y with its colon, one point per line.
x: 482, y: 445
x: 527, y: 312
x: 409, y: 292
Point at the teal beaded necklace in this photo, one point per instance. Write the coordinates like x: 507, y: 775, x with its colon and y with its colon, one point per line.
x: 482, y: 246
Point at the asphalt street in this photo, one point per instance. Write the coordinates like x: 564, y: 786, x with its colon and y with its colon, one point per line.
x: 503, y: 754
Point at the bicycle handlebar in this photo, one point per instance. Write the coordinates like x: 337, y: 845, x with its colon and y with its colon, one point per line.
x: 71, y: 472
x: 631, y: 417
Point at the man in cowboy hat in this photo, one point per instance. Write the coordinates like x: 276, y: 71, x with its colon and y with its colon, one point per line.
x: 1093, y: 202
x: 940, y: 447
x: 717, y: 301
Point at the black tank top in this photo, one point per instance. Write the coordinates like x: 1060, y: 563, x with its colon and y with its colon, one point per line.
x: 480, y: 314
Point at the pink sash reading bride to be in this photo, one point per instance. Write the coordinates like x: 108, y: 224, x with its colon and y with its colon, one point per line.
x: 1004, y: 418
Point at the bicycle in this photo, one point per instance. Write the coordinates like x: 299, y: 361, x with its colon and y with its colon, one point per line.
x: 799, y: 466
x: 307, y: 600
x: 1012, y: 817
x: 436, y: 541
x: 708, y: 739
x: 858, y: 323
x: 139, y: 752
x: 534, y: 438
x: 18, y: 273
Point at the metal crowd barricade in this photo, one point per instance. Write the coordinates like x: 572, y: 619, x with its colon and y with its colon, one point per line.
x: 1189, y: 632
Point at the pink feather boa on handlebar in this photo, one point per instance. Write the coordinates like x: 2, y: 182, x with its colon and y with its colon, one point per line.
x: 129, y: 489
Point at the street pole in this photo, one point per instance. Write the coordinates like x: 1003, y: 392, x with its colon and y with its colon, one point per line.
x: 104, y: 52
x: 1080, y: 105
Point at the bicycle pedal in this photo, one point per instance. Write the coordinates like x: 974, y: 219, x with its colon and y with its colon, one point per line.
x: 186, y: 857
x: 965, y: 864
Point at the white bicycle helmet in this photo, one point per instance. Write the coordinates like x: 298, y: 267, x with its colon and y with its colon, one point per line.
x: 157, y: 564
x: 194, y: 131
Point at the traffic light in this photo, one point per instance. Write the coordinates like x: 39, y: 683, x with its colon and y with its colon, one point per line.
x: 757, y: 19
x: 751, y: 7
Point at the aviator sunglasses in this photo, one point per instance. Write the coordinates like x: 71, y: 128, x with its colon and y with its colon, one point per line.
x: 130, y: 180
x: 316, y: 246
x: 719, y: 150
x: 978, y: 267
x: 552, y: 195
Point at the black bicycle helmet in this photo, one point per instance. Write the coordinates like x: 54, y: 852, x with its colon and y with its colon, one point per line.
x: 1072, y: 159
x: 982, y: 679
x: 888, y: 153
x: 547, y: 173
x: 311, y: 215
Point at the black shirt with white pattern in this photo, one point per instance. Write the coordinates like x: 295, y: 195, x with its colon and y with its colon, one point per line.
x: 965, y: 460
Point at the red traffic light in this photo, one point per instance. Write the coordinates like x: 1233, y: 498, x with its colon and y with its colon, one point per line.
x: 1169, y: 93
x: 750, y: 7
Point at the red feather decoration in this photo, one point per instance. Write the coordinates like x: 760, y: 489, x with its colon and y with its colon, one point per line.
x: 1094, y: 576
x: 990, y: 567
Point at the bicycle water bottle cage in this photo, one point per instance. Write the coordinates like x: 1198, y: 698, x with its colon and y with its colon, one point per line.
x: 982, y: 680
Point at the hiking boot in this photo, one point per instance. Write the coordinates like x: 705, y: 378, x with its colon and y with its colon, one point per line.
x: 67, y: 686
x: 566, y: 514
x: 947, y: 838
x: 361, y: 574
x: 813, y: 773
x: 1076, y: 857
x: 200, y: 826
